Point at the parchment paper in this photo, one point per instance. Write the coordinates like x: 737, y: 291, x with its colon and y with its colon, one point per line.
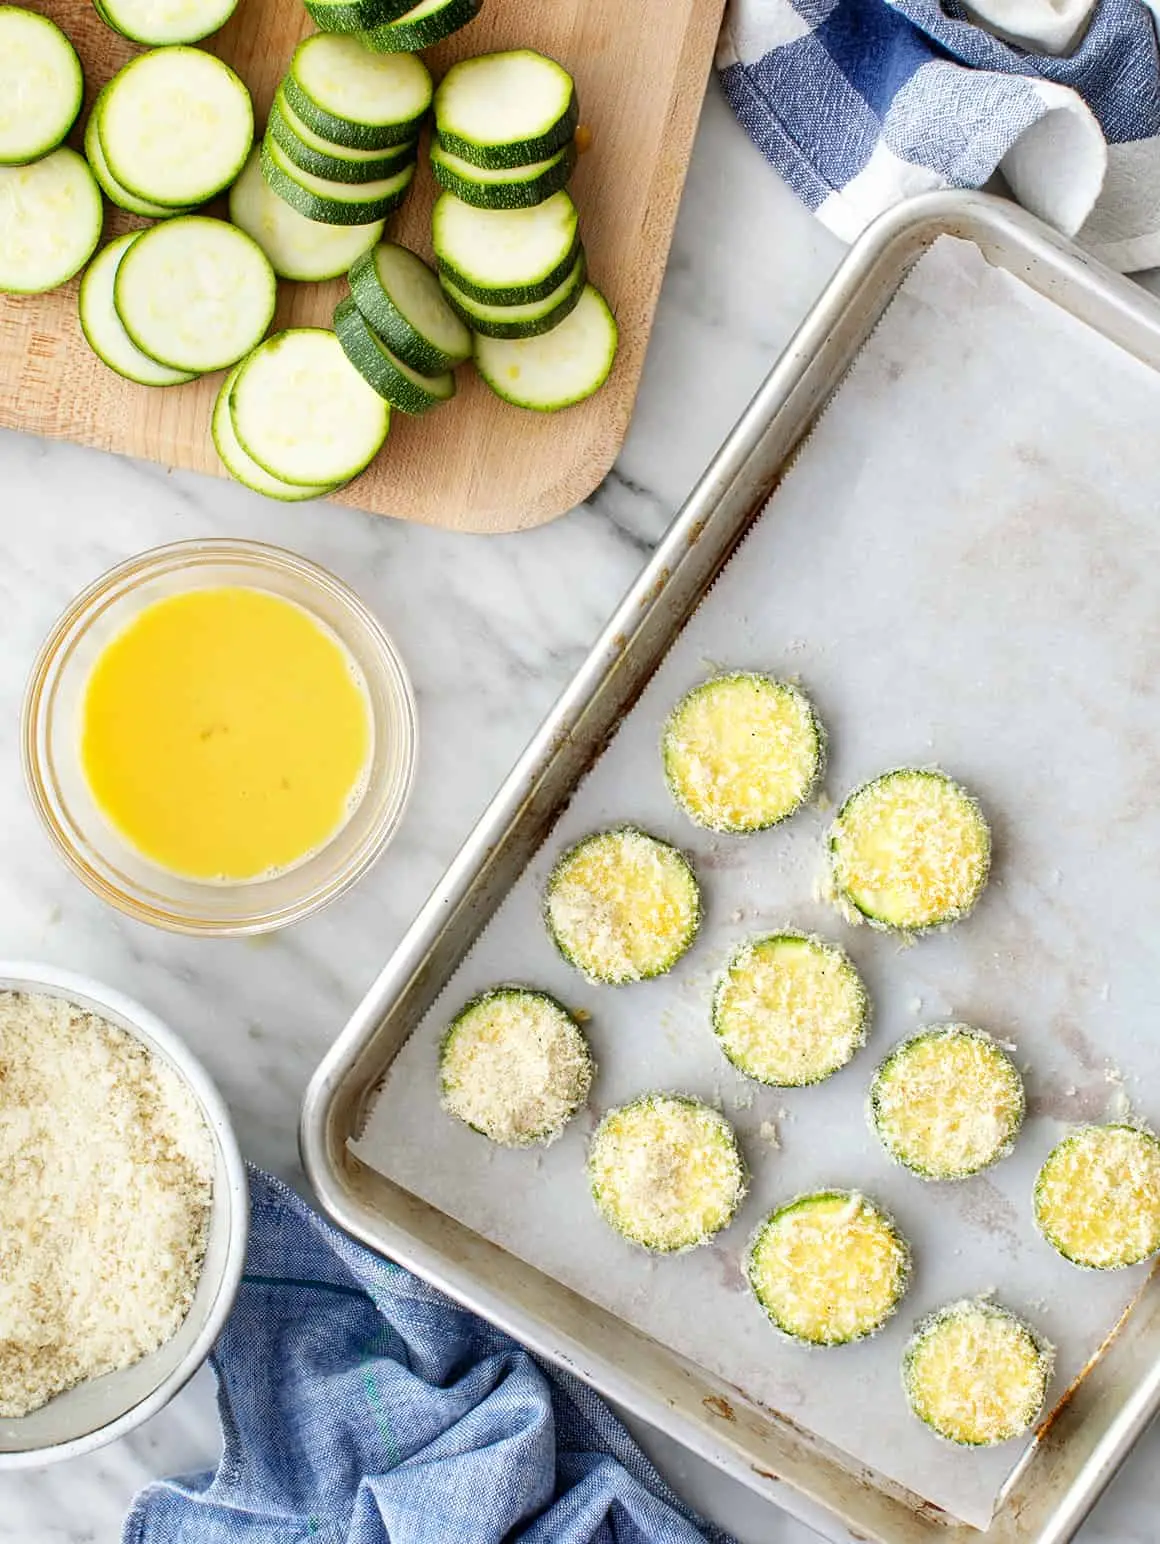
x: 962, y: 570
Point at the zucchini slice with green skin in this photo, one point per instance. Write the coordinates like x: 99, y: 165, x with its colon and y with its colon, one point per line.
x: 506, y: 256
x: 353, y: 15
x: 622, y: 906
x: 526, y: 321
x: 298, y: 248
x: 514, y: 1066
x: 559, y: 368
x: 41, y: 86
x: 244, y: 468
x: 394, y: 381
x: 400, y: 298
x: 790, y: 1010
x: 506, y: 109
x: 50, y: 222
x: 666, y: 1172
x: 975, y: 1374
x: 163, y: 23
x: 516, y: 187
x: 422, y: 26
x: 333, y: 203
x: 910, y: 850
x: 176, y: 126
x: 742, y: 752
x: 829, y: 1268
x: 351, y: 96
x: 303, y: 412
x: 947, y: 1103
x: 1097, y: 1197
x: 322, y: 158
x: 111, y: 188
x: 103, y: 329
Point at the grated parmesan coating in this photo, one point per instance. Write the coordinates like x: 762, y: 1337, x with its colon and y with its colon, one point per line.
x: 106, y: 1174
x: 790, y: 1009
x: 515, y: 1066
x: 1097, y: 1197
x: 975, y: 1374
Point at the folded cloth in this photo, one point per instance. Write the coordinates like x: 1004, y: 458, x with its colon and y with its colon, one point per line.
x: 360, y: 1406
x: 861, y: 103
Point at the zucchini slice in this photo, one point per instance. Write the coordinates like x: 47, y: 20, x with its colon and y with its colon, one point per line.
x: 742, y: 752
x: 102, y: 326
x: 50, y: 222
x: 351, y: 96
x: 1097, y: 1197
x: 111, y: 188
x: 829, y: 1268
x: 514, y: 1066
x: 41, y: 86
x: 506, y: 109
x: 176, y: 126
x: 422, y: 26
x: 303, y: 413
x: 195, y: 294
x: 298, y: 248
x: 514, y: 187
x: 975, y: 1374
x: 789, y: 1010
x: 161, y: 23
x: 353, y: 15
x: 558, y: 369
x: 243, y: 467
x: 394, y: 381
x: 322, y: 158
x: 947, y: 1102
x: 910, y: 850
x: 333, y: 203
x: 666, y: 1172
x: 506, y: 256
x: 526, y: 321
x: 622, y: 906
x: 401, y: 300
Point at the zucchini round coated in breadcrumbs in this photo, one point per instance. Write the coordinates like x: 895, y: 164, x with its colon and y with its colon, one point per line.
x: 910, y: 850
x: 666, y: 1172
x: 975, y: 1374
x: 742, y: 752
x: 829, y: 1268
x: 1097, y: 1197
x: 948, y: 1102
x: 622, y: 906
x: 515, y: 1066
x: 790, y: 1010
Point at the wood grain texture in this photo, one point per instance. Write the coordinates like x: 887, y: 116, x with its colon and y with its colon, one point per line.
x: 477, y: 464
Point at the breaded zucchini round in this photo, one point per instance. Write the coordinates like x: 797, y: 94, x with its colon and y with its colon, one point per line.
x: 976, y: 1374
x: 1097, y: 1197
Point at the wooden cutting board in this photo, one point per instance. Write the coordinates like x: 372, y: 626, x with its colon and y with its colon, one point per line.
x: 477, y: 464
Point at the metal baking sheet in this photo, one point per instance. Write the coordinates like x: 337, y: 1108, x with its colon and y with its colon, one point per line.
x: 959, y: 575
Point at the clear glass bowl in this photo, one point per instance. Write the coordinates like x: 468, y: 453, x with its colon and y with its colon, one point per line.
x: 95, y: 851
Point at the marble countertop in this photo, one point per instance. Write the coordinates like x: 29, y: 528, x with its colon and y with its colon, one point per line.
x: 492, y: 628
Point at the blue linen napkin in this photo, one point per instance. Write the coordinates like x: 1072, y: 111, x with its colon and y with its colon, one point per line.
x: 360, y: 1406
x: 861, y: 103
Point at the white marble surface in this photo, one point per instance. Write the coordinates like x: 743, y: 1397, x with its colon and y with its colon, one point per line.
x: 491, y: 628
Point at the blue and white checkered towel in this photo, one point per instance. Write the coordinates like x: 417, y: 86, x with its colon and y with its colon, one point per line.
x: 861, y: 103
x: 359, y: 1406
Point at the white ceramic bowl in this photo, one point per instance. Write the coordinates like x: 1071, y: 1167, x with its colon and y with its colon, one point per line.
x: 88, y: 1416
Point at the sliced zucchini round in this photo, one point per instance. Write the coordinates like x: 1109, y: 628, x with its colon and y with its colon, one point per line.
x: 422, y: 26
x: 243, y: 467
x: 622, y: 906
x: 948, y: 1102
x: 506, y: 256
x: 353, y: 15
x: 298, y: 248
x: 742, y: 751
x: 102, y: 326
x: 111, y: 188
x: 303, y: 413
x: 513, y: 187
x: 829, y: 1268
x: 975, y: 1374
x: 162, y: 23
x: 50, y: 222
x: 41, y: 86
x: 527, y: 321
x: 351, y: 96
x: 401, y: 300
x: 1097, y: 1197
x: 195, y: 294
x: 558, y: 369
x: 322, y: 158
x: 910, y: 850
x: 394, y: 381
x: 514, y: 1066
x: 333, y: 203
x: 176, y: 126
x: 789, y: 1010
x: 506, y: 109
x: 666, y: 1172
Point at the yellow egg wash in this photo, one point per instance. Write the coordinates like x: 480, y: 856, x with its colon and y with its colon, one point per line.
x: 225, y: 733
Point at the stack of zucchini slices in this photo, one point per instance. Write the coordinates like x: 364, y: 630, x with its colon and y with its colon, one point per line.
x: 394, y: 26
